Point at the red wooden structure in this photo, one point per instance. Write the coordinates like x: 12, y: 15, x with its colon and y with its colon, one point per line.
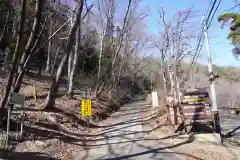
x: 195, y: 105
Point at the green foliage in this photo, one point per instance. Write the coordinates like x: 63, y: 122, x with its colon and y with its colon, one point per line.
x: 230, y: 74
x: 234, y: 33
x: 218, y: 71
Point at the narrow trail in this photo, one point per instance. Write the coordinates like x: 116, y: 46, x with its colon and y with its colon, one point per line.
x: 230, y: 125
x: 123, y: 137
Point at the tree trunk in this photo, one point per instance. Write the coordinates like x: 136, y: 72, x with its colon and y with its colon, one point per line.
x: 180, y: 108
x: 54, y: 61
x: 48, y: 65
x: 41, y: 59
x: 22, y: 68
x: 14, y: 27
x: 118, y: 48
x: 170, y: 73
x: 100, y: 53
x: 70, y: 62
x: 35, y: 28
x: 14, y: 63
x: 4, y: 33
x: 7, y: 52
x: 120, y: 68
x: 8, y: 49
x: 164, y: 85
x: 75, y: 60
x: 50, y: 100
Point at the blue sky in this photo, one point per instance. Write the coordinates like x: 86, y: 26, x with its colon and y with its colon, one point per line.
x: 220, y: 46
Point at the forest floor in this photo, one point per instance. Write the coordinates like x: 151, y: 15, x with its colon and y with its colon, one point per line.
x: 192, y: 148
x: 61, y: 132
x: 57, y: 132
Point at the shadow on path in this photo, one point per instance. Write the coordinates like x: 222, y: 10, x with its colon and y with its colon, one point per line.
x: 231, y: 133
x: 24, y: 155
x: 155, y: 151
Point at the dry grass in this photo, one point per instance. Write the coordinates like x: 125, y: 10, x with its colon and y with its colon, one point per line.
x: 62, y: 131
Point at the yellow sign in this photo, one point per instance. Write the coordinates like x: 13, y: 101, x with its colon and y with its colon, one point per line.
x: 194, y: 99
x: 86, y: 106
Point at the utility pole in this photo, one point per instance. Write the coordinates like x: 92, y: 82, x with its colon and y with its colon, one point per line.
x: 151, y: 81
x: 212, y: 81
x: 151, y: 75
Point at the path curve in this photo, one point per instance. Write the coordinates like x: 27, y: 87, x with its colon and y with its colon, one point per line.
x: 123, y: 138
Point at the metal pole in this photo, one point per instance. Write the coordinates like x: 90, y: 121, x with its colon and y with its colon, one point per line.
x: 211, y: 79
x: 8, y: 125
x: 151, y: 75
x: 151, y: 82
x: 22, y: 119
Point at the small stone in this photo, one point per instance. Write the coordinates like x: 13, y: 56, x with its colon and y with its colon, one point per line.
x: 40, y: 143
x: 51, y: 142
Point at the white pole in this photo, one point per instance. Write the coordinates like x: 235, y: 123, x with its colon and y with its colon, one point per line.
x: 151, y: 81
x: 211, y: 79
x: 212, y: 86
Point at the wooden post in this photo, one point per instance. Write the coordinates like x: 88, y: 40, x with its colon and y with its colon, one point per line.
x: 1, y: 91
x: 16, y: 100
x: 8, y: 125
x: 35, y: 93
x: 168, y: 115
x: 172, y: 113
x: 85, y: 97
x: 175, y: 115
x: 21, y: 129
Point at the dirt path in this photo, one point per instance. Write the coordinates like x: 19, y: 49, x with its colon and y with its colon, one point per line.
x: 123, y: 137
x: 230, y: 125
x: 191, y: 149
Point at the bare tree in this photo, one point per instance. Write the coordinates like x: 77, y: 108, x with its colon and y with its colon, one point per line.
x: 174, y: 45
x: 75, y: 60
x: 50, y: 100
x: 55, y: 59
x: 14, y: 62
x: 4, y: 33
x: 30, y: 45
x: 22, y: 68
x: 34, y: 31
x: 112, y: 73
x: 70, y: 58
x: 48, y: 65
x: 37, y: 47
x: 106, y: 38
x: 134, y: 38
x: 110, y: 11
x: 5, y: 28
x: 123, y: 32
x: 74, y: 57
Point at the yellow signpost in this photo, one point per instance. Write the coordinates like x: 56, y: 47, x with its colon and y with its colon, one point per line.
x: 194, y: 99
x: 86, y: 106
